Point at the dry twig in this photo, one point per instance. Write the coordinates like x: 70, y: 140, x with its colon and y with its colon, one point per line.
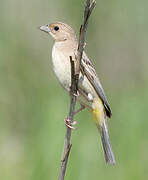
x: 75, y: 70
x: 67, y: 145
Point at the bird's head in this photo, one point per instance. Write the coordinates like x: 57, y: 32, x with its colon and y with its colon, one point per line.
x: 59, y: 31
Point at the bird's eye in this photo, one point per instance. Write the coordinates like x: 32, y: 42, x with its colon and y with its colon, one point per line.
x: 56, y: 28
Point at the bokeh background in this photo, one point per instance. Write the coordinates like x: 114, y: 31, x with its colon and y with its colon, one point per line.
x: 33, y: 105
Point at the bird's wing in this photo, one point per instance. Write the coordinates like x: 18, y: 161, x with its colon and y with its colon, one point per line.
x: 88, y: 70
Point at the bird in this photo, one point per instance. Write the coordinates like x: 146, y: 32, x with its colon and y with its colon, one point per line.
x: 90, y: 91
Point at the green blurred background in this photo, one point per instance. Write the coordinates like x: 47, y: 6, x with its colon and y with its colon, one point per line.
x: 33, y: 105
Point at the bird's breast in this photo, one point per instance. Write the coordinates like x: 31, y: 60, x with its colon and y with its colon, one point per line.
x: 61, y: 66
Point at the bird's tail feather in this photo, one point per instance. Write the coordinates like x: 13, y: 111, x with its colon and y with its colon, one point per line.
x: 108, y: 153
x: 100, y: 121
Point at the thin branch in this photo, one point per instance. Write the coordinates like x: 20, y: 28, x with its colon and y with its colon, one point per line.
x: 87, y: 12
x: 67, y: 145
x: 75, y: 70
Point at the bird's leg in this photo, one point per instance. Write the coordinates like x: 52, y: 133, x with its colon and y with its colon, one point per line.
x: 70, y: 123
x: 80, y: 109
x: 75, y: 94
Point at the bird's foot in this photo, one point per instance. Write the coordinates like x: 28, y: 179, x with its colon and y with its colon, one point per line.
x: 76, y: 94
x: 73, y: 94
x: 70, y: 123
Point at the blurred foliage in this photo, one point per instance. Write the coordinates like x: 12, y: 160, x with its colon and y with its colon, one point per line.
x: 33, y: 106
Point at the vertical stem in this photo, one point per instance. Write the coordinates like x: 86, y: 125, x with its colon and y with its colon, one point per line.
x: 75, y: 70
x: 67, y: 144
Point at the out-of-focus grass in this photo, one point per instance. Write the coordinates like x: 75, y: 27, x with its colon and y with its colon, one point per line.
x: 33, y: 105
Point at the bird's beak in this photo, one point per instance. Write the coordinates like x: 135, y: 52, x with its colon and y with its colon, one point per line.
x: 45, y: 28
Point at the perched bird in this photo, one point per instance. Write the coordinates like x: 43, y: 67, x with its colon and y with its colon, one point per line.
x: 91, y: 93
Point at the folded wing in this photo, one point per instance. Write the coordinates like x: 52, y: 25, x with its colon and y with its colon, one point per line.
x: 88, y: 70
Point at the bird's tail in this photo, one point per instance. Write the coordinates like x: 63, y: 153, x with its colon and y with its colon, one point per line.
x: 100, y: 121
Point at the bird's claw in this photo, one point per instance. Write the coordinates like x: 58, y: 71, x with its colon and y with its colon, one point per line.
x: 69, y: 123
x: 75, y: 94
